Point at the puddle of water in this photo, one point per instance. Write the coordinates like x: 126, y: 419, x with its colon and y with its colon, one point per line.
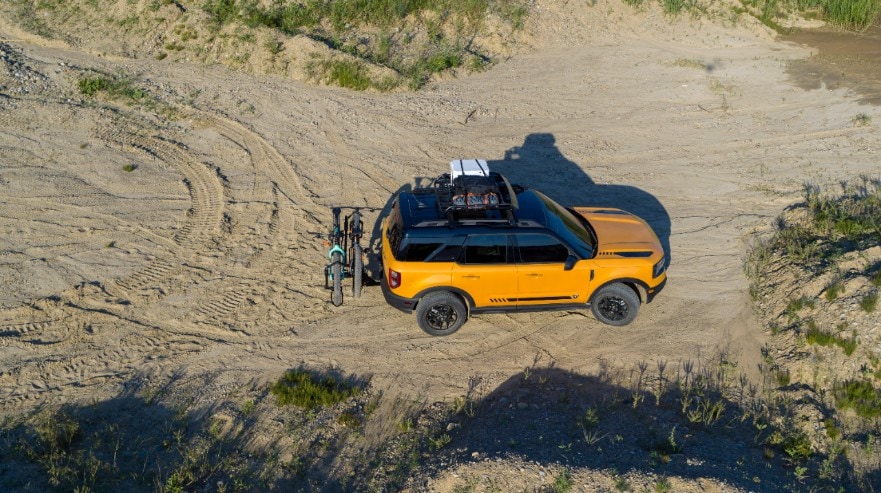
x: 843, y: 60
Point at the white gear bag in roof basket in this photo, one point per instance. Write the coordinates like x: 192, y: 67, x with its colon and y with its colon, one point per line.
x: 471, y: 184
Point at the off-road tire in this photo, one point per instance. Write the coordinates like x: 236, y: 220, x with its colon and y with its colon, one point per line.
x: 615, y: 304
x: 357, y: 270
x: 336, y: 272
x: 441, y: 313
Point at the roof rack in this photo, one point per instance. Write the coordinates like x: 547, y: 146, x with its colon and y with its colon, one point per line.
x: 471, y: 193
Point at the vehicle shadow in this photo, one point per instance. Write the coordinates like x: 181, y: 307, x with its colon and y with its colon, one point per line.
x: 691, y: 422
x: 539, y: 164
x: 693, y: 425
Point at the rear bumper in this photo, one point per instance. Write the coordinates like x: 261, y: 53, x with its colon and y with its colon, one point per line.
x: 652, y: 292
x: 406, y: 305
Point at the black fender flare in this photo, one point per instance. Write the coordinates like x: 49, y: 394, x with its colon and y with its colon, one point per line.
x: 469, y: 301
x: 639, y: 287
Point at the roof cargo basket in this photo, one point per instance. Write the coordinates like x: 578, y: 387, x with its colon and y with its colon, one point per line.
x: 471, y: 193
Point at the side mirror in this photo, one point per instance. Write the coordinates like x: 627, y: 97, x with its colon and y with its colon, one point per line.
x: 570, y: 262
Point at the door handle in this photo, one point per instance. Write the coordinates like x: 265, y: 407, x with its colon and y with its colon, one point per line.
x: 533, y: 276
x: 470, y: 277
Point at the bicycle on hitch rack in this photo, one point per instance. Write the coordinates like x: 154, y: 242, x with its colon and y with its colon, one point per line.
x: 346, y: 255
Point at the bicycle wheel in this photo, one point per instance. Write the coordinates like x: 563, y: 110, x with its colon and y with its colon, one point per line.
x: 357, y: 269
x: 336, y: 272
x: 357, y: 254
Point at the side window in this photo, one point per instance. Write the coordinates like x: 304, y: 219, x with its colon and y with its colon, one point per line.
x: 417, y: 252
x: 449, y: 253
x: 543, y: 249
x: 394, y: 233
x: 486, y: 249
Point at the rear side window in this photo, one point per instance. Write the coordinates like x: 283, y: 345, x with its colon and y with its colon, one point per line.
x: 486, y: 249
x: 395, y: 232
x: 541, y: 249
x: 416, y: 251
x: 449, y: 253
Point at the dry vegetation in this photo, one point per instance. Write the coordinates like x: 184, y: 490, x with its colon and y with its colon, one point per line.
x: 815, y: 283
x: 377, y: 44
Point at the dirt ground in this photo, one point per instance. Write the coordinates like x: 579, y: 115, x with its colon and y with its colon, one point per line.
x: 202, y: 264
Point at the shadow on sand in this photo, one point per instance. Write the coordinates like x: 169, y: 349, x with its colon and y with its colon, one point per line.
x: 691, y: 423
x: 539, y: 164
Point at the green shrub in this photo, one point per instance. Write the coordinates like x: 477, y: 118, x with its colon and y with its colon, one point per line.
x: 815, y: 335
x: 91, y: 85
x: 222, y: 11
x: 352, y: 75
x: 797, y: 446
x: 861, y: 396
x: 782, y: 377
x: 832, y: 430
x: 304, y: 389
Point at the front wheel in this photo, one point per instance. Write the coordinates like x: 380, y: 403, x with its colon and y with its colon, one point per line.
x: 441, y: 313
x: 336, y: 272
x: 615, y: 304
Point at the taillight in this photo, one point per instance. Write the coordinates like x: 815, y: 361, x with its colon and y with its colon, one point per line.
x: 394, y: 278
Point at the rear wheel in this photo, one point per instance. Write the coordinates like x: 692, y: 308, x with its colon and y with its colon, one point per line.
x: 441, y: 313
x: 615, y: 304
x: 357, y: 269
x: 336, y: 272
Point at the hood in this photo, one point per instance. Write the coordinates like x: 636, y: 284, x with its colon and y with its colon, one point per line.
x: 620, y: 231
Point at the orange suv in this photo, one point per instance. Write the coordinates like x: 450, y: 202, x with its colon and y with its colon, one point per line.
x: 473, y: 243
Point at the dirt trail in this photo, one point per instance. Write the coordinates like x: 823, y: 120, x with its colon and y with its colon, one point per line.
x: 202, y: 261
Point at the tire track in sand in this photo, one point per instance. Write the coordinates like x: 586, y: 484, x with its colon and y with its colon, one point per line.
x: 293, y: 213
x: 202, y: 226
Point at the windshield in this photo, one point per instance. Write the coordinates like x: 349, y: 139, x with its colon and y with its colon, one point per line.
x: 569, y: 227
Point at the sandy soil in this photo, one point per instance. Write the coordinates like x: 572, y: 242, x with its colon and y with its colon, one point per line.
x: 202, y: 263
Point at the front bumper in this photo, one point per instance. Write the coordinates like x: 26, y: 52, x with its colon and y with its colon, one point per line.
x: 406, y: 305
x: 652, y: 292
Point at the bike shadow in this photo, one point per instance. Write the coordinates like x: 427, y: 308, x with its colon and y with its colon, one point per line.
x: 540, y: 164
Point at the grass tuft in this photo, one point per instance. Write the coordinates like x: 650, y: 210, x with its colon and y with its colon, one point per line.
x: 120, y: 88
x: 833, y: 291
x: 862, y: 120
x: 307, y: 390
x: 869, y: 302
x: 850, y: 14
x: 563, y: 482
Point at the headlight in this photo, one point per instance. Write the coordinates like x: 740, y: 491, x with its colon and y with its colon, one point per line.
x: 658, y: 268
